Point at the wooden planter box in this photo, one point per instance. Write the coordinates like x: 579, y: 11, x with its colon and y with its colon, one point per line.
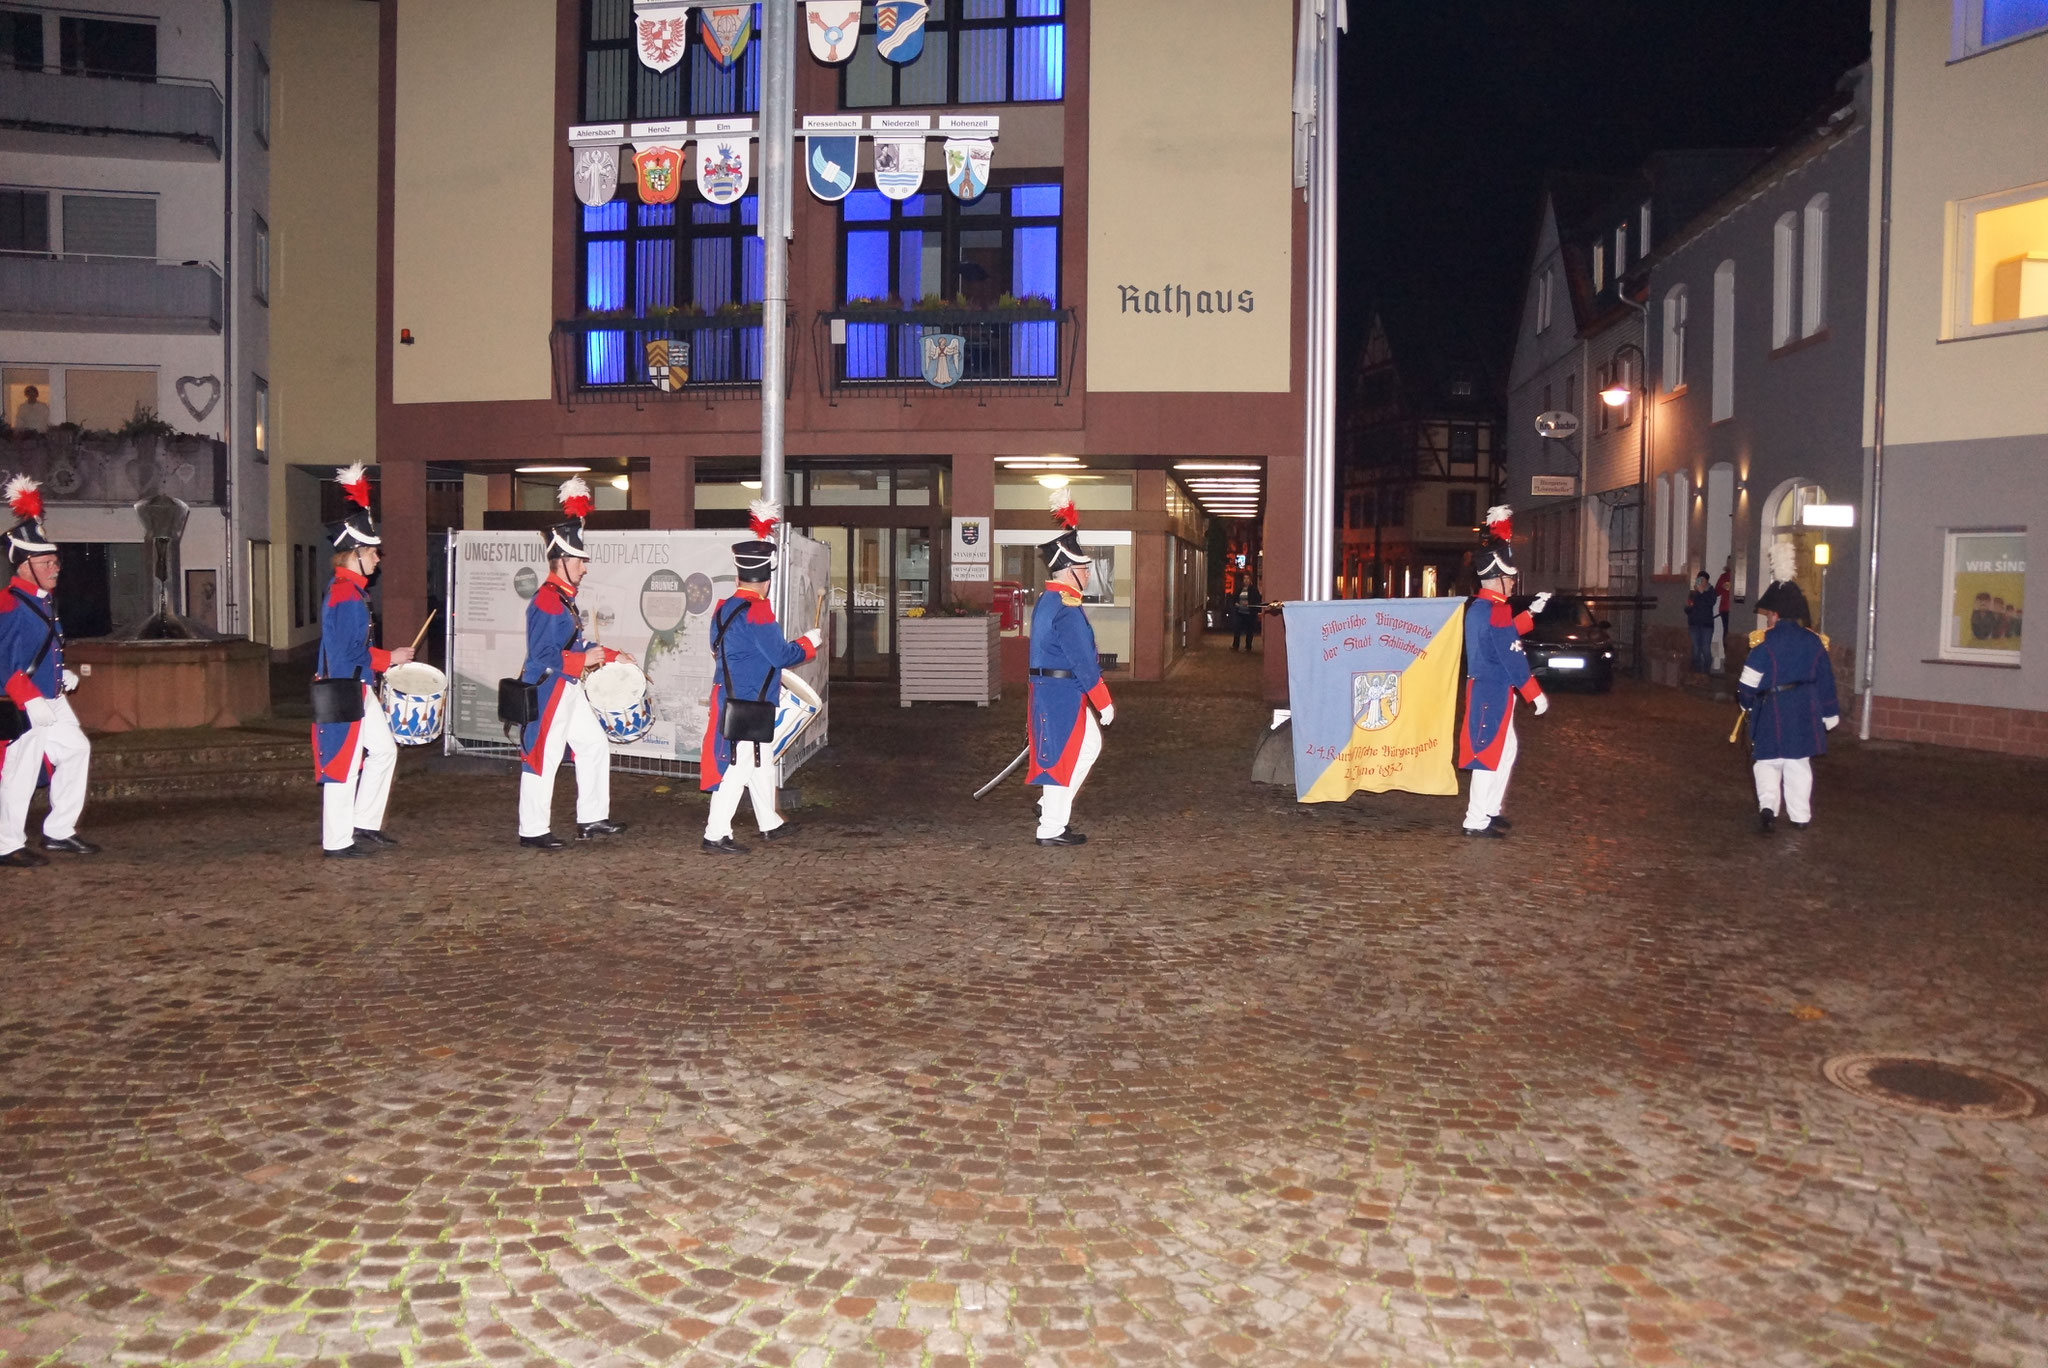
x: 949, y: 660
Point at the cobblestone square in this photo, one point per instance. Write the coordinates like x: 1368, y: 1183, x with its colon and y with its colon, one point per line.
x: 1238, y: 1082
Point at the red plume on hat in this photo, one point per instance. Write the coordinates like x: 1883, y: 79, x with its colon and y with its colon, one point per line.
x: 575, y: 497
x: 25, y: 497
x: 1063, y: 511
x: 763, y: 516
x: 355, y: 483
x: 1500, y: 521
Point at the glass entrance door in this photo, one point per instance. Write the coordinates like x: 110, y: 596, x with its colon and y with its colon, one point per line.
x: 878, y: 575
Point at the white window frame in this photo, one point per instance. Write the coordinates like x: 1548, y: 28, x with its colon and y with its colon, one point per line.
x: 260, y: 111
x: 1620, y: 252
x: 259, y: 275
x: 1675, y: 307
x: 1599, y: 266
x: 1681, y: 522
x: 1963, y: 269
x: 1662, y: 528
x: 1784, y: 267
x: 1724, y: 342
x: 259, y: 430
x: 1643, y: 233
x: 1950, y: 537
x: 1544, y: 285
x: 1966, y: 34
x: 1813, y: 266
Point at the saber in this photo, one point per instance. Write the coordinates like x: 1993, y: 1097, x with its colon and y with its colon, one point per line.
x: 1007, y: 770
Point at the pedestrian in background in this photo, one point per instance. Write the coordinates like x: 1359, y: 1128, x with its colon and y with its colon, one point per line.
x: 1724, y: 587
x: 1244, y: 613
x: 1702, y: 607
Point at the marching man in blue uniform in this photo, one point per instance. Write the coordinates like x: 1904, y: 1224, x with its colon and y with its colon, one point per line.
x: 354, y: 760
x: 1787, y: 686
x: 1066, y: 679
x: 749, y: 654
x: 32, y: 665
x: 557, y: 658
x: 1497, y: 670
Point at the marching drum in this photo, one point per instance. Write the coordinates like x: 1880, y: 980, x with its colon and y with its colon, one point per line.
x: 798, y: 707
x: 415, y: 702
x: 617, y: 693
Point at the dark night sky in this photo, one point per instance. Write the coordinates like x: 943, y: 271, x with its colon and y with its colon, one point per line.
x: 1453, y: 113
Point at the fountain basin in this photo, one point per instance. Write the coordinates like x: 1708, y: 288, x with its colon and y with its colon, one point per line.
x: 128, y: 685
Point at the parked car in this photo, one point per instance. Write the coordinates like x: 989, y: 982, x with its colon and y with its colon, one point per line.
x: 1569, y: 644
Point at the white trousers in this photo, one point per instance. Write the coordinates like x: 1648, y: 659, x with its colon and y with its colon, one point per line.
x: 65, y: 745
x: 1794, y: 778
x: 575, y: 727
x: 357, y: 802
x: 751, y: 772
x: 1490, y: 787
x: 1056, y: 801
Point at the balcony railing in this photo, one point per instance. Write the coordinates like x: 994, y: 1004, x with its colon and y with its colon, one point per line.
x: 106, y: 468
x: 600, y: 360
x: 1001, y: 351
x: 160, y: 117
x: 44, y: 293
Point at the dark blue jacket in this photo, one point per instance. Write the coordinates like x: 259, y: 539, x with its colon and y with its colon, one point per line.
x: 1788, y: 685
x: 1701, y: 606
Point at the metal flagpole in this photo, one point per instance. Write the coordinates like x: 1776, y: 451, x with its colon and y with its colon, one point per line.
x: 1318, y: 73
x: 778, y: 123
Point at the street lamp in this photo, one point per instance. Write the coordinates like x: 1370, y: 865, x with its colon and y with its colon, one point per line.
x: 1616, y: 396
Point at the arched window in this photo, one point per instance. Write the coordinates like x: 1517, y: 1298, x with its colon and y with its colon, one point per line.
x: 1781, y: 524
x: 1784, y: 254
x: 1681, y: 523
x: 1813, y: 267
x: 1724, y: 341
x: 1720, y: 523
x: 1662, y: 527
x: 1674, y: 339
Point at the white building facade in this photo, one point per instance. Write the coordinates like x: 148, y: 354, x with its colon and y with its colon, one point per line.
x: 134, y: 190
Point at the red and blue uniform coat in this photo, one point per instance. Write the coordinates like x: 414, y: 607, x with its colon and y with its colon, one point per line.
x: 1057, y: 711
x: 27, y: 620
x: 1788, y: 685
x: 556, y: 653
x: 756, y: 654
x: 345, y: 652
x: 1496, y: 670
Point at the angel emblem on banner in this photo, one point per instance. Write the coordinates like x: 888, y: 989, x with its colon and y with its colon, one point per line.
x: 597, y: 174
x: 661, y: 31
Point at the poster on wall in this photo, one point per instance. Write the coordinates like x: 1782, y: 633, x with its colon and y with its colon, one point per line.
x: 649, y: 594
x: 1373, y: 685
x: 1987, y: 589
x: 973, y: 554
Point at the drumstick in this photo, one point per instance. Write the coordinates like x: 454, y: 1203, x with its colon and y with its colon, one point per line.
x: 423, y: 629
x: 818, y: 615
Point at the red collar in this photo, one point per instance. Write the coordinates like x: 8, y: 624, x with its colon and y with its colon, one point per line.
x: 21, y: 582
x: 348, y: 576
x: 1065, y: 591
x: 1492, y: 597
x: 562, y: 586
x: 748, y: 590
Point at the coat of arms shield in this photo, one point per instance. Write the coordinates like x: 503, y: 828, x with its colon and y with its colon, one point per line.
x: 660, y: 170
x: 899, y: 165
x: 829, y: 163
x: 899, y: 29
x: 1376, y: 699
x: 668, y: 364
x: 726, y: 31
x: 661, y: 32
x: 967, y: 161
x: 834, y: 26
x: 723, y: 168
x: 943, y: 355
x: 597, y: 174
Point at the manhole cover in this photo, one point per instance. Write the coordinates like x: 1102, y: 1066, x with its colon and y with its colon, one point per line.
x: 1933, y: 1086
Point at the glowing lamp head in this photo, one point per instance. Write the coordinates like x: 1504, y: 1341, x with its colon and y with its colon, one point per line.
x: 1614, y: 396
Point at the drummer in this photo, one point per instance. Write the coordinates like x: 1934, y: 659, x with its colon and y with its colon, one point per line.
x: 354, y: 760
x: 557, y: 658
x: 749, y: 654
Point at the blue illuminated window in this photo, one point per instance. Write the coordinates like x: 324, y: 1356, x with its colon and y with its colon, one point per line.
x: 618, y: 87
x: 643, y: 258
x: 975, y: 52
x: 2005, y: 20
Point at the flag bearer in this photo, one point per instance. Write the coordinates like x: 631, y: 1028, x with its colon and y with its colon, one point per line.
x: 1788, y: 686
x: 354, y: 760
x: 1066, y: 678
x: 32, y: 665
x: 1497, y: 670
x: 748, y: 655
x: 557, y: 658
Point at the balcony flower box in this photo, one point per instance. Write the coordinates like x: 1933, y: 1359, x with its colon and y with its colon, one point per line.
x: 949, y: 659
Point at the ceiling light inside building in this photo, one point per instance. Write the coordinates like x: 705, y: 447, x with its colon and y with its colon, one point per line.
x: 552, y: 470
x: 622, y: 482
x: 1053, y: 481
x: 1216, y: 465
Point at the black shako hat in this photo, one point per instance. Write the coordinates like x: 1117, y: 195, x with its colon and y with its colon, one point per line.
x: 755, y: 559
x: 566, y: 538
x: 1496, y: 558
x: 357, y: 527
x: 1064, y: 550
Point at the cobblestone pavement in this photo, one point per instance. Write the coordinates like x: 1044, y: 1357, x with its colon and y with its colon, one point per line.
x: 1240, y: 1082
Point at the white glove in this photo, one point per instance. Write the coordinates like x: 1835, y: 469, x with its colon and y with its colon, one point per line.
x: 42, y: 712
x: 1831, y: 722
x: 70, y: 681
x: 816, y: 636
x: 1542, y: 704
x: 1107, y: 713
x: 1539, y: 603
